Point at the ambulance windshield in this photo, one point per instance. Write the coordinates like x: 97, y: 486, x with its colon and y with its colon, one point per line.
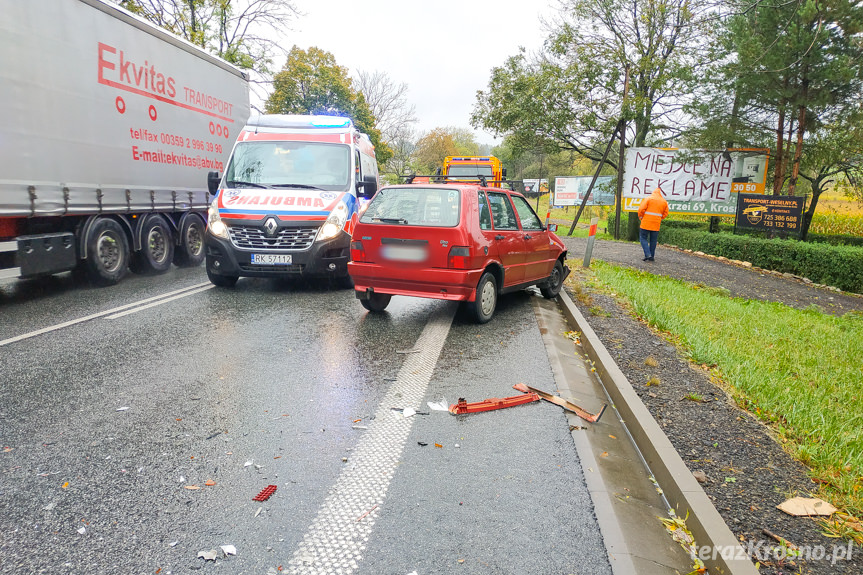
x: 280, y: 163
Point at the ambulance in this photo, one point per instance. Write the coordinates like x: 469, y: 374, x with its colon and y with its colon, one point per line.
x: 288, y: 201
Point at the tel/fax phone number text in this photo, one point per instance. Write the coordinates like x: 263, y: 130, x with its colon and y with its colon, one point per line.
x: 175, y: 140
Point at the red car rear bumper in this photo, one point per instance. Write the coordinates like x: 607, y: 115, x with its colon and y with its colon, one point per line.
x: 436, y: 283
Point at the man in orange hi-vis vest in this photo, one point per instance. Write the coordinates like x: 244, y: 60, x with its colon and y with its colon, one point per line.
x: 652, y: 211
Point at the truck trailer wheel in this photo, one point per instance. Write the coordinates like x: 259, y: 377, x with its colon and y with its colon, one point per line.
x: 107, y: 253
x: 157, y: 247
x: 190, y: 252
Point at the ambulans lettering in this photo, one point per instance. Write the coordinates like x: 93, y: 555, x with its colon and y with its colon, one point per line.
x: 117, y: 68
x: 274, y: 200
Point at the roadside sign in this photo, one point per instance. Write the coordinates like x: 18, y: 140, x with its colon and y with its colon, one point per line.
x: 694, y: 181
x: 778, y: 213
x: 570, y: 191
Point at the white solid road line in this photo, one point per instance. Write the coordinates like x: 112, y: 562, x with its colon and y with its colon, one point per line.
x: 337, y: 537
x: 101, y: 314
x: 160, y: 302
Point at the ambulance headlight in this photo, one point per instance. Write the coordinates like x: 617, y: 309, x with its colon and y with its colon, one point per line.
x: 214, y: 222
x: 335, y: 222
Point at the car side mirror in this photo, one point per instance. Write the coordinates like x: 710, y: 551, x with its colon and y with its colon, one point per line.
x: 369, y: 186
x: 213, y: 179
x: 552, y: 227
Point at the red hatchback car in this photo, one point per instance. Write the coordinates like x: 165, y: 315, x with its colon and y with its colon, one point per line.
x: 453, y: 241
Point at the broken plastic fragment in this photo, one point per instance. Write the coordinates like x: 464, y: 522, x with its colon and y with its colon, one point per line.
x: 82, y: 530
x: 248, y: 463
x: 258, y: 512
x: 409, y: 412
x: 441, y: 405
x: 805, y: 506
x: 265, y: 493
x: 229, y: 550
x: 122, y: 408
x: 208, y: 555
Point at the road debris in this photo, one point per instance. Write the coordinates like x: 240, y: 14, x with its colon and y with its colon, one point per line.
x: 208, y: 555
x: 361, y: 517
x: 567, y: 405
x: 228, y: 550
x: 441, y: 405
x: 491, y: 403
x: 265, y: 493
x: 122, y: 408
x: 806, y: 506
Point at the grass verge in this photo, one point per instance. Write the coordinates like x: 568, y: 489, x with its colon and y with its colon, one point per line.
x: 798, y: 370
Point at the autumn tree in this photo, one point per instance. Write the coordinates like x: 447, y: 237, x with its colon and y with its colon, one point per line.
x: 572, y: 92
x: 433, y: 147
x: 239, y: 31
x: 311, y: 82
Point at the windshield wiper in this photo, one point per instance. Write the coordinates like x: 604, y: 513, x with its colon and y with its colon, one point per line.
x: 236, y: 183
x: 302, y: 186
x: 391, y: 220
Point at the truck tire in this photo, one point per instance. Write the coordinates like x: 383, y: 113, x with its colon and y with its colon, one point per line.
x: 107, y: 253
x: 157, y: 247
x: 482, y: 308
x: 190, y: 252
x: 222, y: 281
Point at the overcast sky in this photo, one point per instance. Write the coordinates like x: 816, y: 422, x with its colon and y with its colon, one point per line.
x: 443, y: 50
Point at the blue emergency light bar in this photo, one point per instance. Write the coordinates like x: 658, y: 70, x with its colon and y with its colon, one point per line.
x: 295, y: 121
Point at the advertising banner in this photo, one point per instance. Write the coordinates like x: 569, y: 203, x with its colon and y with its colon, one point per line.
x: 535, y: 187
x: 570, y: 191
x: 779, y: 213
x: 694, y: 181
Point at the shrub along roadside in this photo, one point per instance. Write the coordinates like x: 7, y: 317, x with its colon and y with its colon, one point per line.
x: 798, y: 370
x: 839, y: 266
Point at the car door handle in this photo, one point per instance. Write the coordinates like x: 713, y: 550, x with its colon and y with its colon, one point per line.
x: 499, y: 237
x: 527, y: 236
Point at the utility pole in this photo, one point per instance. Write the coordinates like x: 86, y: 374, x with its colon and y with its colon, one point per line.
x: 621, y: 157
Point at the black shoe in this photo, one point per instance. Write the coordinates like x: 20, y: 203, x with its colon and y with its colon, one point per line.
x: 646, y: 259
x: 650, y: 259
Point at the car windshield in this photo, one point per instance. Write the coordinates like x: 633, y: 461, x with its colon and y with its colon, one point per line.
x: 470, y: 170
x: 283, y: 164
x: 414, y: 206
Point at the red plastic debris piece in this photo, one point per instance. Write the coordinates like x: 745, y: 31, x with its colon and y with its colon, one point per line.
x: 265, y: 493
x: 492, y: 403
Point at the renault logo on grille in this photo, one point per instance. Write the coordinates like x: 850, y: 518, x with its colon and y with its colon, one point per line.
x: 270, y: 226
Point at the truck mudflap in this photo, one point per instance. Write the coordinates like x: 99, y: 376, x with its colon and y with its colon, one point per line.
x: 46, y: 254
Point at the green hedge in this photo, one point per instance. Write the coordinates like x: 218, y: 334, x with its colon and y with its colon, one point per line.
x: 839, y: 266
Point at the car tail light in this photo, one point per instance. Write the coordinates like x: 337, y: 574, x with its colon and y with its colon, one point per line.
x: 458, y: 257
x: 357, y: 252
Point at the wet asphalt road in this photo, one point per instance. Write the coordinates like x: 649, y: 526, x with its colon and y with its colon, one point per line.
x: 105, y: 424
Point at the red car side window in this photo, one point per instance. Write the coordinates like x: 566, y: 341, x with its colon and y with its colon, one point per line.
x: 484, y: 214
x: 502, y: 214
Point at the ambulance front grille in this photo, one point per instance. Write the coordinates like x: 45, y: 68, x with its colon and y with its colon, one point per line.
x: 254, y: 238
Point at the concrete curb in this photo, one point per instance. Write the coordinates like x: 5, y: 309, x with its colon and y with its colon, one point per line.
x: 683, y: 492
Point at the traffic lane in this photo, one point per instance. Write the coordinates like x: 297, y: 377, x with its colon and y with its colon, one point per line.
x: 505, y: 492
x: 267, y: 374
x: 29, y: 305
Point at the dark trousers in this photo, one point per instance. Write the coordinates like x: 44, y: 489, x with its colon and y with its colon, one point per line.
x: 648, y: 241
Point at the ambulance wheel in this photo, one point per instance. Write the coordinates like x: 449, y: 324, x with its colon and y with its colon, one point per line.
x: 107, y: 253
x: 377, y: 302
x: 221, y: 281
x: 482, y: 308
x: 157, y: 247
x: 190, y: 252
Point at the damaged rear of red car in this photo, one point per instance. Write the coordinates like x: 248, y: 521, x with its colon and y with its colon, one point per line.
x: 457, y: 242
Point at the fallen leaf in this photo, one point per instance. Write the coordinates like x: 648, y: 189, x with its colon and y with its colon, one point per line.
x: 209, y: 483
x: 611, y: 436
x: 604, y: 454
x: 191, y: 487
x: 438, y: 445
x: 65, y: 485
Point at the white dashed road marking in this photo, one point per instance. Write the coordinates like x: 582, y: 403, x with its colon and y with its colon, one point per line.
x: 337, y: 537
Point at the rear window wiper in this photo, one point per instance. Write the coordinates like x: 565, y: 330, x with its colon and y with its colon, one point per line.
x: 391, y: 220
x: 236, y: 183
x: 302, y: 186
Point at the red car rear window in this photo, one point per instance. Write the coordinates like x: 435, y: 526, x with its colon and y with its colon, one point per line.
x: 415, y: 206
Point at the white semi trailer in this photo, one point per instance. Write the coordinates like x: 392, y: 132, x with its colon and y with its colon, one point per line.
x: 108, y: 129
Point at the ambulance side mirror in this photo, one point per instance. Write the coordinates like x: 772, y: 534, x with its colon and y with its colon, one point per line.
x: 369, y: 186
x: 213, y: 179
